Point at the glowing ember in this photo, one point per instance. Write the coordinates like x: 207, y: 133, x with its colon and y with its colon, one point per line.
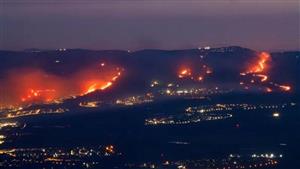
x: 263, y: 77
x: 185, y: 73
x: 116, y: 77
x: 268, y: 89
x: 46, y: 95
x: 198, y: 73
x: 285, y: 88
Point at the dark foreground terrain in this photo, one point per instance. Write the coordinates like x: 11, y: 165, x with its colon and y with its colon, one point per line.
x: 251, y: 137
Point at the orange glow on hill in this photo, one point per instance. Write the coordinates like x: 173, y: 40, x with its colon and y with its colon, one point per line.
x: 185, y: 73
x: 260, y: 65
x: 41, y: 94
x: 95, y: 80
x: 97, y: 86
x: 194, y: 72
x: 259, y: 69
x: 27, y: 85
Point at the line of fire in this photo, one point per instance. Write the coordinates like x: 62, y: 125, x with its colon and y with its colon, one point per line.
x: 29, y: 85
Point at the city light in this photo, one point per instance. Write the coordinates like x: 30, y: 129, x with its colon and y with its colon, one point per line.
x: 276, y: 114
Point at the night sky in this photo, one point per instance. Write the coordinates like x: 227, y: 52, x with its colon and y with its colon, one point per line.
x: 130, y: 24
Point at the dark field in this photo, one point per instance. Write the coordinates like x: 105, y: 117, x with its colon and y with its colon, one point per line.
x: 247, y: 132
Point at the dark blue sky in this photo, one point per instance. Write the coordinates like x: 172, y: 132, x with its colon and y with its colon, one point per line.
x: 133, y: 24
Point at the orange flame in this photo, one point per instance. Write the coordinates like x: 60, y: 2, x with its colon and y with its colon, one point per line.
x: 263, y: 77
x: 257, y: 70
x: 97, y: 86
x: 185, y: 73
x: 268, y: 89
x: 260, y: 65
x: 27, y: 85
x: 41, y: 94
x: 285, y: 87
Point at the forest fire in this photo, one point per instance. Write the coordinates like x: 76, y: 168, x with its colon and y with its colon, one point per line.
x: 46, y: 94
x: 97, y: 86
x: 27, y: 85
x: 186, y: 72
x: 260, y: 65
x: 101, y: 84
x: 197, y: 74
x: 259, y: 69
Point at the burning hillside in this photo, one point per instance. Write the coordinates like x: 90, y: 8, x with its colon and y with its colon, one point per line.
x: 198, y: 73
x: 257, y: 74
x: 50, y: 76
x: 28, y: 85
